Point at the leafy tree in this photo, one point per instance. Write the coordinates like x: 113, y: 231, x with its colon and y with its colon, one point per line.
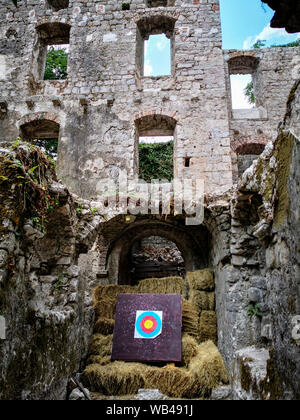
x: 56, y: 64
x: 249, y: 93
x: 290, y: 44
x: 259, y: 44
x: 156, y: 161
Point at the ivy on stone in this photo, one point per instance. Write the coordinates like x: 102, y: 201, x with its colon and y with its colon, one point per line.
x: 156, y: 161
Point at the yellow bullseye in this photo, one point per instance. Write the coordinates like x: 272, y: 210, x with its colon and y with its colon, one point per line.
x: 148, y: 324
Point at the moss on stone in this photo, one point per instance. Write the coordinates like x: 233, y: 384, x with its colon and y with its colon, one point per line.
x: 270, y: 387
x: 283, y: 153
x: 246, y: 379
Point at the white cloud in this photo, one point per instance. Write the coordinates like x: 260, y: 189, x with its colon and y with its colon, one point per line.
x: 268, y: 34
x: 162, y: 43
x: 238, y: 85
x: 148, y: 70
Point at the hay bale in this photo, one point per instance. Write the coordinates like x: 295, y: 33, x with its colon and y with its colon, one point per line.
x: 111, y: 291
x: 189, y: 349
x: 99, y: 360
x: 117, y: 378
x: 106, y: 308
x: 167, y: 285
x: 203, y: 301
x: 208, y: 368
x: 172, y: 381
x: 201, y: 280
x: 101, y: 345
x: 208, y: 326
x: 190, y: 319
x: 104, y: 326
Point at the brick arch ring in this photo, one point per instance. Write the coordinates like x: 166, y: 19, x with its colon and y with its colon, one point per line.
x: 156, y: 111
x: 39, y: 116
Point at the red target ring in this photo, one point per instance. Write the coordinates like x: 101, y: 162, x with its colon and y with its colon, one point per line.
x: 148, y: 324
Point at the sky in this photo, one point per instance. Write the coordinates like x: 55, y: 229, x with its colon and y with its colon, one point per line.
x: 243, y: 23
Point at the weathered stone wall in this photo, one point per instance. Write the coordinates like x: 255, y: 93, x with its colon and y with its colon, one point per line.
x: 44, y: 295
x: 274, y: 72
x: 262, y: 277
x: 104, y: 95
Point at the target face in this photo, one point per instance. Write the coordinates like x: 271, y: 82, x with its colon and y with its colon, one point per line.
x: 148, y: 324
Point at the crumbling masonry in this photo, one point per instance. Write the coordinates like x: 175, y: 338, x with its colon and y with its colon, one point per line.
x: 250, y: 234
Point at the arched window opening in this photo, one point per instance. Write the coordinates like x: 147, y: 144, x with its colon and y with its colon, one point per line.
x: 155, y: 46
x: 159, y: 3
x: 246, y: 154
x: 58, y: 4
x: 155, y: 144
x: 51, y: 52
x: 42, y: 133
x: 242, y: 71
x: 155, y: 257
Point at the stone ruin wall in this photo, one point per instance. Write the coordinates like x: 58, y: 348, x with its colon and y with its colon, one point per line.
x: 255, y: 258
x: 99, y: 106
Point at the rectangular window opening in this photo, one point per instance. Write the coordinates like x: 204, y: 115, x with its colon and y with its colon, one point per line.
x: 187, y: 162
x: 242, y: 91
x: 157, y: 56
x: 56, y: 64
x: 156, y: 158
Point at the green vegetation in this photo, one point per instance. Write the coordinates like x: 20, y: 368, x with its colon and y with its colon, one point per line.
x: 56, y: 64
x: 249, y: 92
x: 262, y: 43
x: 156, y: 161
x: 49, y: 146
x: 254, y: 311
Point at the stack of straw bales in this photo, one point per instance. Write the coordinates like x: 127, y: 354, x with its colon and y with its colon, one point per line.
x: 202, y: 367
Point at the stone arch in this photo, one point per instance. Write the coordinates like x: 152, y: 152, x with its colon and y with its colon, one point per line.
x: 243, y: 64
x: 40, y: 129
x: 156, y: 24
x: 34, y: 119
x: 250, y: 148
x: 241, y: 144
x: 194, y: 251
x: 160, y: 3
x: 152, y: 124
x: 54, y: 32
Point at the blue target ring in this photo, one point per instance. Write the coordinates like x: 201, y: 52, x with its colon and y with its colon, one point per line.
x: 150, y: 334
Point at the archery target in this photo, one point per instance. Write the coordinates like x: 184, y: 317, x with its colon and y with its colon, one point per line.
x: 148, y: 324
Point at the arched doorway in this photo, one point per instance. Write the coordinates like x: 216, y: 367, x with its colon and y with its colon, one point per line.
x: 192, y: 249
x: 155, y: 257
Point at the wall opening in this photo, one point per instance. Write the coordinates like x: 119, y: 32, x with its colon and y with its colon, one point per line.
x: 123, y: 255
x: 58, y: 4
x: 155, y: 257
x: 155, y: 46
x: 187, y: 162
x: 242, y: 72
x: 51, y: 52
x: 242, y: 91
x: 246, y: 154
x: 157, y: 56
x: 42, y: 133
x: 159, y: 3
x: 155, y: 147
